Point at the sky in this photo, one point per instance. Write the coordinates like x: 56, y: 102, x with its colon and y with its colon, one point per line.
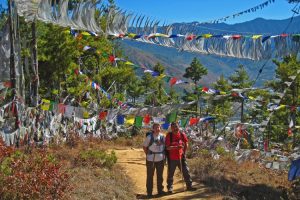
x: 205, y: 10
x: 171, y: 11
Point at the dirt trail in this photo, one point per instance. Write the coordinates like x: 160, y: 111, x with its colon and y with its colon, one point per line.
x: 133, y: 162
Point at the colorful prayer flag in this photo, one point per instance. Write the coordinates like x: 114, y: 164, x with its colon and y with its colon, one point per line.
x: 138, y: 122
x: 171, y: 117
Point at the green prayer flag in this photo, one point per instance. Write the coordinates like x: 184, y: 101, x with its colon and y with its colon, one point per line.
x: 105, y: 55
x: 52, y: 103
x: 138, y: 121
x: 183, y: 122
x: 167, y: 79
x: 171, y: 117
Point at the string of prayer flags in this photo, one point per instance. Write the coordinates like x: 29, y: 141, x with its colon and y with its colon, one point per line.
x: 253, y: 9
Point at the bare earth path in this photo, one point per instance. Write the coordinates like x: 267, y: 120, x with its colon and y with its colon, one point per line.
x: 132, y: 161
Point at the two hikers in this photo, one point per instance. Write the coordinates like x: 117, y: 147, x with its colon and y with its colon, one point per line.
x: 154, y: 147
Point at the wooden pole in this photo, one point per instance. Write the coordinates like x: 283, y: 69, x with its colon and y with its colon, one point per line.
x: 12, y: 59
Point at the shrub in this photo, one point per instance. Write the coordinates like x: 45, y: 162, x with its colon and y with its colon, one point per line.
x: 220, y: 150
x: 97, y: 158
x: 34, y: 176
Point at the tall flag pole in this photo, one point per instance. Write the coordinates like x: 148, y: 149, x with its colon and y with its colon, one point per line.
x: 12, y: 59
x: 35, y: 65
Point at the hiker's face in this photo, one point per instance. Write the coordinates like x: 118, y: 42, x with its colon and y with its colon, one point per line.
x: 156, y: 129
x: 174, y: 128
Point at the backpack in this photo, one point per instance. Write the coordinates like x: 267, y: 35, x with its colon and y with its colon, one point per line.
x: 152, y: 140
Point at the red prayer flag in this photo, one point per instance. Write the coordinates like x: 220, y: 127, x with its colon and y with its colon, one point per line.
x: 190, y: 37
x: 193, y: 121
x: 266, y: 145
x: 61, y: 108
x: 111, y: 58
x: 290, y: 132
x: 173, y: 81
x: 7, y: 84
x: 205, y: 89
x: 147, y: 119
x: 235, y: 37
x: 102, y: 115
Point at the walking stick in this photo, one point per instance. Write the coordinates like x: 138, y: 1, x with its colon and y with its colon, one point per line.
x: 181, y: 169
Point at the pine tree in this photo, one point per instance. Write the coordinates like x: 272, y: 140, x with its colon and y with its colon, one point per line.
x: 195, y: 72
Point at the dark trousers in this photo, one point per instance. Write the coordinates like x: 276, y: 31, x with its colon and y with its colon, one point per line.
x: 151, y: 166
x: 172, y: 164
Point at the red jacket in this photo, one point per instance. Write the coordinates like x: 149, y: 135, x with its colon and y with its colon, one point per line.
x: 177, y: 139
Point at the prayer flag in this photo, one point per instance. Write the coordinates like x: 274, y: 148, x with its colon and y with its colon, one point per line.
x: 130, y: 120
x: 183, y: 122
x: 102, y: 115
x: 45, y: 104
x: 138, y: 122
x: 147, y: 119
x: 173, y: 81
x: 171, y: 117
x: 120, y: 119
x: 193, y: 121
x: 61, y: 108
x: 165, y: 126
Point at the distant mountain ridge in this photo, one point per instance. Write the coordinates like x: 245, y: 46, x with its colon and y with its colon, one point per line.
x: 175, y: 62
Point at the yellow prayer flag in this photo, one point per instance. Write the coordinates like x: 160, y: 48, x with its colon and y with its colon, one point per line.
x: 128, y: 63
x: 85, y: 33
x: 131, y: 35
x: 207, y: 35
x: 130, y: 120
x: 161, y: 76
x: 86, y: 114
x: 45, y: 104
x: 256, y: 37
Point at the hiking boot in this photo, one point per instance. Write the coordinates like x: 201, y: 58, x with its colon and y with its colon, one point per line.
x: 191, y: 188
x: 161, y: 193
x: 149, y: 196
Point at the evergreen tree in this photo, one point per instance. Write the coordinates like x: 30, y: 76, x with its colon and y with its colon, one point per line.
x: 195, y: 72
x: 222, y: 107
x: 240, y: 79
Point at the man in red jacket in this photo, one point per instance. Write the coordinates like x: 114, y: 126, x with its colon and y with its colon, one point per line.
x: 176, y: 145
